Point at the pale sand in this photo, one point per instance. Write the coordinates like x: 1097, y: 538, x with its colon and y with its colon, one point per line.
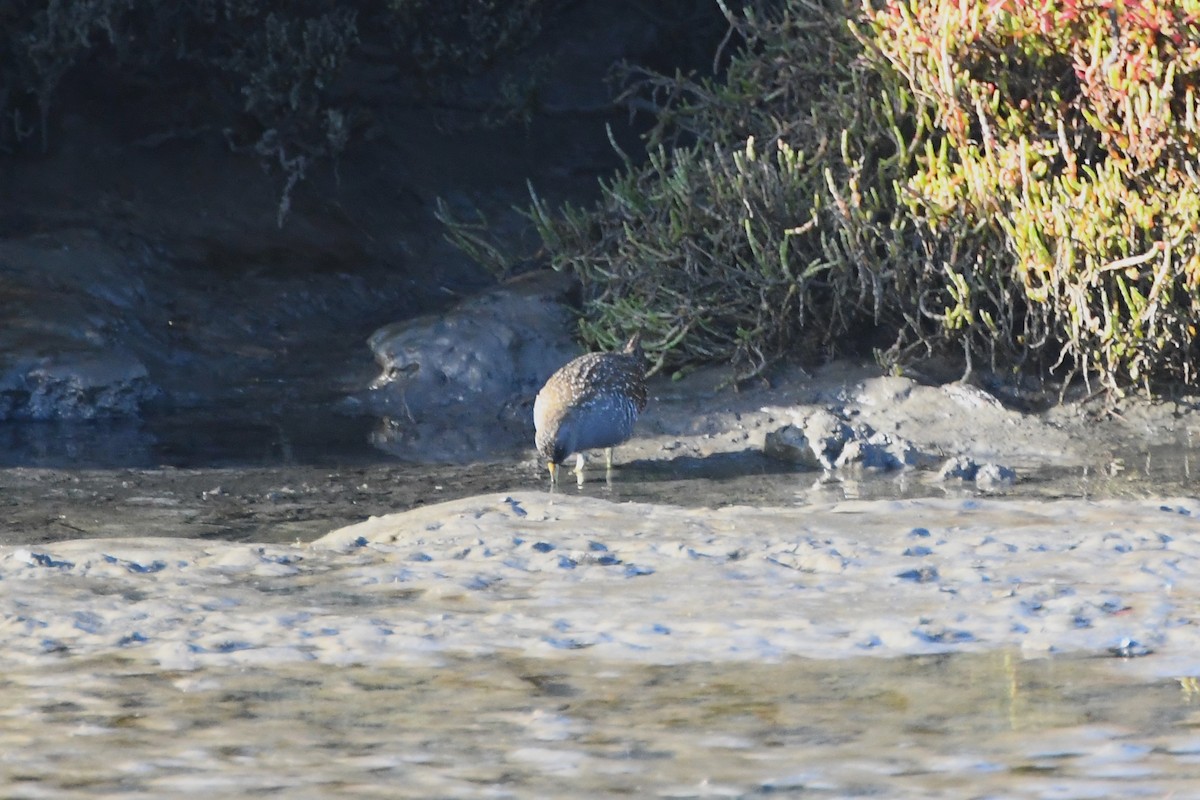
x: 549, y: 576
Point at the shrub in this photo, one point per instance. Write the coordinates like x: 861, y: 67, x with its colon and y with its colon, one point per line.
x: 274, y: 67
x: 1016, y: 178
x: 264, y: 73
x: 1058, y: 163
x: 746, y: 245
x: 440, y: 37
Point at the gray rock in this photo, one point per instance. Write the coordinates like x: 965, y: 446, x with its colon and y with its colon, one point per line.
x: 828, y: 435
x: 986, y: 476
x: 881, y: 451
x: 829, y: 442
x: 790, y: 444
x: 994, y: 476
x: 71, y: 304
x: 868, y: 455
x: 958, y: 468
x: 487, y: 352
x: 74, y: 386
x: 908, y: 454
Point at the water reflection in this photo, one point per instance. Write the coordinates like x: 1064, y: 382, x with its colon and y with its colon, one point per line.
x: 75, y: 444
x: 315, y: 490
x: 750, y: 478
x: 501, y: 459
x: 927, y: 726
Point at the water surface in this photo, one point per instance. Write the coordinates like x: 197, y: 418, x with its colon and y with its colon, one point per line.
x: 962, y: 726
x: 994, y: 724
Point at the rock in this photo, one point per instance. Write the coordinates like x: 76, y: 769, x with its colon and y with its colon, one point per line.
x: 993, y: 476
x: 868, y: 455
x: 790, y: 444
x: 972, y: 398
x: 71, y: 305
x: 830, y: 442
x: 958, y: 468
x: 828, y: 434
x: 986, y: 476
x: 908, y: 454
x: 74, y: 386
x: 884, y: 391
x: 487, y: 352
x: 873, y: 450
x: 961, y: 418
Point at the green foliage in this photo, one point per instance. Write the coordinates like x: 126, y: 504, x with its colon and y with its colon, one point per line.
x: 456, y: 36
x: 1017, y: 179
x: 265, y: 73
x: 288, y: 67
x: 1066, y: 134
x: 746, y: 245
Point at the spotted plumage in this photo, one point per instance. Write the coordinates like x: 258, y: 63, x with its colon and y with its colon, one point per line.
x: 590, y: 403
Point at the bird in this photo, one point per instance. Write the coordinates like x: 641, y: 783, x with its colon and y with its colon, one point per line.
x: 589, y: 403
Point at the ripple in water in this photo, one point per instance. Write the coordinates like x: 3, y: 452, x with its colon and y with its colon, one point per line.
x: 949, y: 726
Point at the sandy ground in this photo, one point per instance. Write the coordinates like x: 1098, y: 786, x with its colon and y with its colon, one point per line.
x: 527, y: 570
x: 539, y: 573
x: 697, y: 415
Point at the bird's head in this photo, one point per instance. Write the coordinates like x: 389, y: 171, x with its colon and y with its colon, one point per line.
x: 554, y: 453
x: 551, y: 449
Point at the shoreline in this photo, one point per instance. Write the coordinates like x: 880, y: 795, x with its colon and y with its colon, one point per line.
x: 546, y: 576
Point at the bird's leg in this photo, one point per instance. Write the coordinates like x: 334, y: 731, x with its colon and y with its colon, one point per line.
x: 608, y: 458
x: 553, y: 473
x: 579, y: 461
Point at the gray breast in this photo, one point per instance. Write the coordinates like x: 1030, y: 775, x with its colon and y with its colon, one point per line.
x: 590, y: 403
x: 605, y: 420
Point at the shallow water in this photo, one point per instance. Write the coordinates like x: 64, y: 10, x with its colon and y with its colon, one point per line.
x: 292, y: 480
x: 987, y: 725
x: 642, y: 655
x: 79, y: 719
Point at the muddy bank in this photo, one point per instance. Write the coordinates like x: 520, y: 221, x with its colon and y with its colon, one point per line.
x: 698, y: 445
x: 539, y: 574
